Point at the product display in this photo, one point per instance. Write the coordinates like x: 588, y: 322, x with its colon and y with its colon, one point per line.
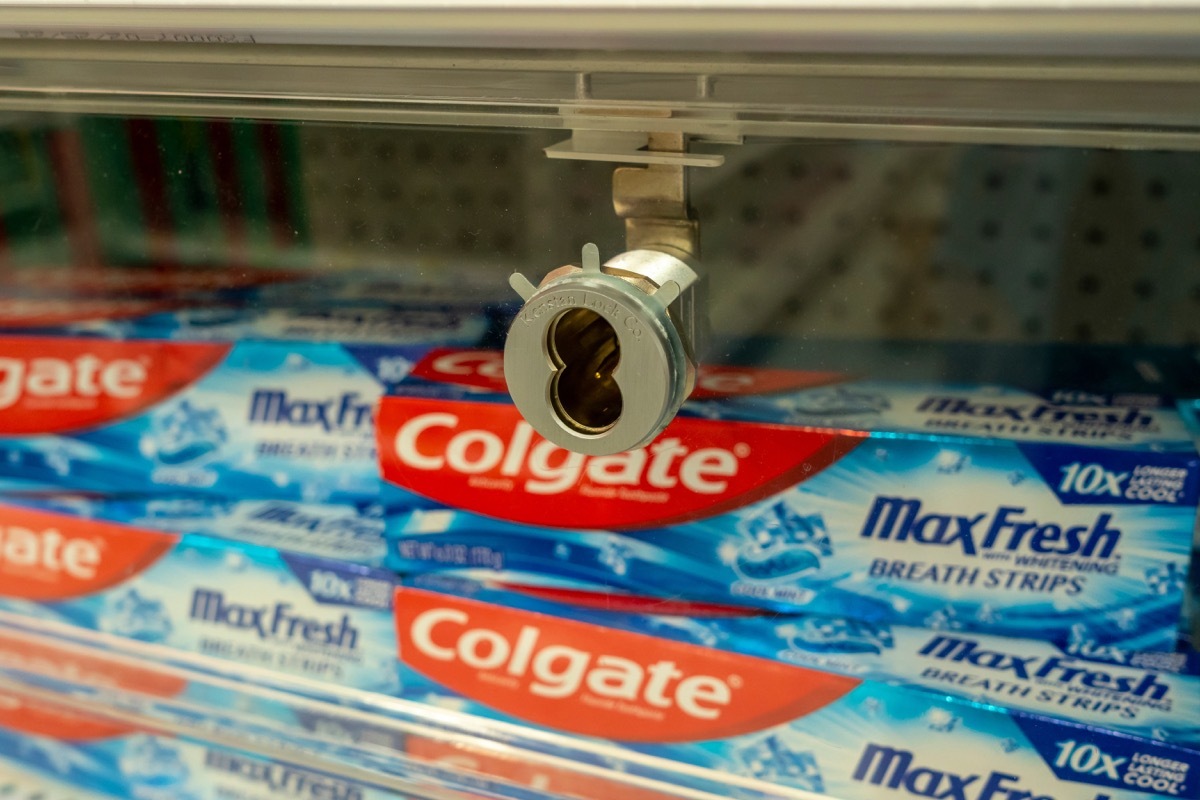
x: 1061, y: 516
x: 633, y: 401
x: 691, y: 698
x: 322, y: 619
x: 96, y: 754
x: 250, y: 418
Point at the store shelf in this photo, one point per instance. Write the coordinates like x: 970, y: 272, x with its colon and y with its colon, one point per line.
x: 945, y: 188
x: 1107, y: 74
x: 366, y: 740
x: 1025, y: 27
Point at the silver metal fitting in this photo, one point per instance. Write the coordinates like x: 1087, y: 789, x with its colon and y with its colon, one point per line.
x: 600, y: 358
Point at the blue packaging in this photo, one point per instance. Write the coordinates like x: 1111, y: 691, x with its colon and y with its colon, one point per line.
x: 278, y: 404
x: 1064, y: 516
x: 396, y: 324
x: 89, y: 752
x: 69, y: 563
x: 349, y: 532
x: 679, y: 688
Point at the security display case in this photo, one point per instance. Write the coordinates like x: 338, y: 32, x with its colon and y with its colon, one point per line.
x: 540, y: 400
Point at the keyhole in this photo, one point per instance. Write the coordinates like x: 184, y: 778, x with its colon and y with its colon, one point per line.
x: 585, y: 350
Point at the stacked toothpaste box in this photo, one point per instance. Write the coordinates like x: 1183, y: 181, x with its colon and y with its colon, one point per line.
x: 854, y: 587
x: 191, y: 463
x: 806, y: 584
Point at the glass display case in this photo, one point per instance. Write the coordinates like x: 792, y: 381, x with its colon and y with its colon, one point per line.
x: 228, y: 229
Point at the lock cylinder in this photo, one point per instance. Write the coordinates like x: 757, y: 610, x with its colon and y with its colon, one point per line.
x: 585, y: 347
x: 601, y: 357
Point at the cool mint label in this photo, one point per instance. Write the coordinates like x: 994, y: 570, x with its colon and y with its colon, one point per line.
x: 1088, y: 476
x: 1087, y: 755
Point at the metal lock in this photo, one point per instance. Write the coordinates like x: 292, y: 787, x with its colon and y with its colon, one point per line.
x: 600, y: 358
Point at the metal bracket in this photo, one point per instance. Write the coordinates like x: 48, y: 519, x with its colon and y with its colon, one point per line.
x: 653, y: 201
x: 626, y: 147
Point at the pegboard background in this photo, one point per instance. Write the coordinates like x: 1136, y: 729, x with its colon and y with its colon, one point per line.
x: 864, y: 241
x: 811, y: 239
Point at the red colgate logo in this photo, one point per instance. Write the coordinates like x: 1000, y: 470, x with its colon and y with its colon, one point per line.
x: 479, y: 369
x: 45, y: 556
x: 56, y: 385
x: 484, y: 369
x: 598, y: 681
x: 483, y: 457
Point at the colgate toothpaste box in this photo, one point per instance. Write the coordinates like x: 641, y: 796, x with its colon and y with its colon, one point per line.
x: 323, y: 320
x: 285, y: 611
x: 349, y: 532
x: 264, y: 418
x: 513, y: 656
x: 139, y: 761
x: 45, y: 297
x: 1150, y: 694
x: 142, y: 761
x: 450, y: 750
x: 1065, y: 517
x: 130, y: 301
x: 70, y: 280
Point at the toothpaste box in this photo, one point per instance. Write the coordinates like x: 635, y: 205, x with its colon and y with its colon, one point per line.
x: 685, y: 697
x: 445, y: 749
x: 193, y: 287
x: 131, y: 761
x: 242, y: 416
x: 67, y: 280
x: 1063, y: 516
x: 343, y: 323
x: 513, y: 656
x: 61, y: 296
x: 1150, y: 694
x: 284, y: 611
x: 350, y: 532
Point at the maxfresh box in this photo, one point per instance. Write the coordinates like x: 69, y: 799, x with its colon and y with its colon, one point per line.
x: 70, y: 280
x: 286, y: 611
x: 132, y: 761
x: 1060, y: 516
x: 58, y: 296
x: 139, y: 300
x: 1150, y: 694
x: 279, y: 405
x: 350, y: 532
x: 451, y: 750
x: 694, y: 699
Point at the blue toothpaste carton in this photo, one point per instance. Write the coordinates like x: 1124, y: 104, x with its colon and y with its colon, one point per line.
x: 349, y: 532
x: 193, y: 302
x: 131, y: 761
x: 1149, y: 694
x: 1065, y: 517
x: 675, y: 689
x: 680, y: 688
x: 278, y: 405
x: 345, y: 323
x: 421, y: 745
x: 285, y: 611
